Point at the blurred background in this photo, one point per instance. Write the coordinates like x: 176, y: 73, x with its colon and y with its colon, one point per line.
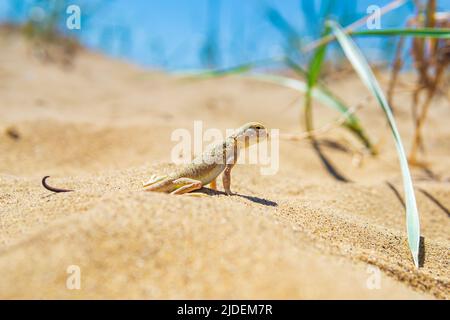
x: 100, y: 126
x: 194, y: 34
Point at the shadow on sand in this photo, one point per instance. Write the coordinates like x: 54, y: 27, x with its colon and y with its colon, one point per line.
x: 257, y: 200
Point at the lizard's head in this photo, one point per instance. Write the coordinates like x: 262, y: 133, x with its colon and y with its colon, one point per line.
x: 250, y: 133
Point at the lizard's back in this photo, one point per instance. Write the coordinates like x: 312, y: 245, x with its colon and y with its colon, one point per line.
x: 207, y: 166
x: 204, y: 168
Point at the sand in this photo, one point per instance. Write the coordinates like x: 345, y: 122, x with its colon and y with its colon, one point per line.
x: 103, y: 126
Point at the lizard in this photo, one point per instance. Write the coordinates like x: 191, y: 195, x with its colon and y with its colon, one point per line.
x: 204, y: 169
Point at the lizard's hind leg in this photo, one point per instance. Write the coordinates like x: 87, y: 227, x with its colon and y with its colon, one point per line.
x: 213, y: 184
x: 153, y: 179
x: 186, y: 185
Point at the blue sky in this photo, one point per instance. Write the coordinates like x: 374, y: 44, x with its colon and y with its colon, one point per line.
x: 173, y: 34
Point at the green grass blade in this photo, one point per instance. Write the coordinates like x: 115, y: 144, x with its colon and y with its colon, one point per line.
x: 357, y: 24
x: 238, y: 69
x: 440, y: 33
x: 296, y: 67
x: 215, y: 73
x: 319, y: 92
x: 314, y: 69
x: 327, y: 98
x: 362, y: 68
x: 316, y: 65
x: 323, y: 96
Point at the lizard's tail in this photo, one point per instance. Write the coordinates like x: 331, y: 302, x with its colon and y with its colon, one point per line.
x: 153, y: 179
x: 53, y: 189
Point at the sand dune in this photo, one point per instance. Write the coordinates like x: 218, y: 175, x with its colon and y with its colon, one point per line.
x: 102, y: 127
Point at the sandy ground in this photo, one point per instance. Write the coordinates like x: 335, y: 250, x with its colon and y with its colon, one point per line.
x: 101, y: 127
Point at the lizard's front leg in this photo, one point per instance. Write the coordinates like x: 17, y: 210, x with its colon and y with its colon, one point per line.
x: 226, y: 178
